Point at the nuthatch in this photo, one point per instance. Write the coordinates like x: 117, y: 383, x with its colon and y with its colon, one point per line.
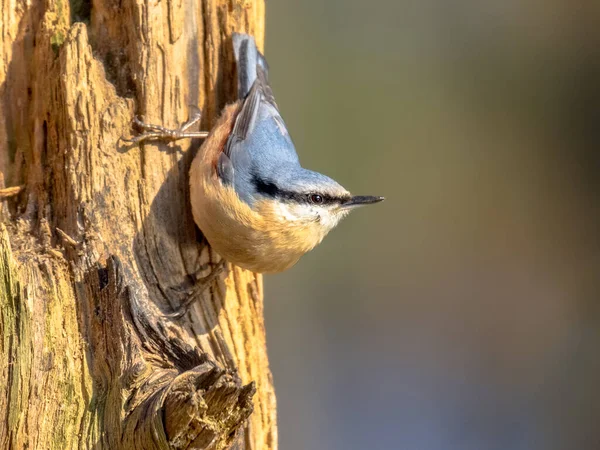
x: 254, y: 203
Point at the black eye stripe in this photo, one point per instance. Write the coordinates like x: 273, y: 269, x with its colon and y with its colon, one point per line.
x: 270, y: 189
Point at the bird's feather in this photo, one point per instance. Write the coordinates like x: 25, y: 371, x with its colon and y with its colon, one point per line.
x: 259, y: 144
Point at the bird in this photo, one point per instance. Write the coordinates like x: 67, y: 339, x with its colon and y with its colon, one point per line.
x: 253, y: 201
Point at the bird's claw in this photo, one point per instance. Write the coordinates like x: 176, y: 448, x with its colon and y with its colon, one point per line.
x: 158, y: 132
x: 200, y: 285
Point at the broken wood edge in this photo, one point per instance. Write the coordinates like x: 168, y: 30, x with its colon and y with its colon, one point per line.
x: 149, y: 404
x: 185, y: 401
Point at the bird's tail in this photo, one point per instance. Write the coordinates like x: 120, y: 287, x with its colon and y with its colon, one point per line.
x: 247, y: 58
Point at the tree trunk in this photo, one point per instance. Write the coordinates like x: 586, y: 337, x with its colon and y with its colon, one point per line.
x: 97, y: 241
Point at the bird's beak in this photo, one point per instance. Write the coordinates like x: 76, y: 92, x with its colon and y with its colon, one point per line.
x: 360, y: 200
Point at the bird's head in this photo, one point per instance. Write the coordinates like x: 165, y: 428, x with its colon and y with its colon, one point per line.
x: 307, y: 200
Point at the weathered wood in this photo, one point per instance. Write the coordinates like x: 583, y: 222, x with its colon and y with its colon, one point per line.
x: 100, y: 244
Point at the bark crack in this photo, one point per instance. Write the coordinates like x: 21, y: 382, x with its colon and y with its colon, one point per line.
x: 86, y: 354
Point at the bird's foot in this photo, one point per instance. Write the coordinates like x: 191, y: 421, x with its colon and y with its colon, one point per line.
x: 200, y: 285
x: 157, y: 132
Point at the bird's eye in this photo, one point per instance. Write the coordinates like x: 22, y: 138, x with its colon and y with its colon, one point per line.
x: 316, y: 198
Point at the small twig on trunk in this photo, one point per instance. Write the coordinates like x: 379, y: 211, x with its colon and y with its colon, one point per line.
x: 11, y: 191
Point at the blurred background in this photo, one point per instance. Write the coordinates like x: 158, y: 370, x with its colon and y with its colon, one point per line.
x: 463, y: 312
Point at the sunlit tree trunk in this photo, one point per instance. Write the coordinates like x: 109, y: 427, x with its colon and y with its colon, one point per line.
x: 97, y: 242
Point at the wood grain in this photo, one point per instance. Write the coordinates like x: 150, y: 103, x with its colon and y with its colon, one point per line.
x: 100, y: 244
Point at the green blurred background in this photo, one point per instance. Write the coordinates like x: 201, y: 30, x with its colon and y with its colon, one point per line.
x: 461, y: 313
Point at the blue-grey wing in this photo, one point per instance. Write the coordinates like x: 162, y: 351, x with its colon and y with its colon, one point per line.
x: 259, y: 143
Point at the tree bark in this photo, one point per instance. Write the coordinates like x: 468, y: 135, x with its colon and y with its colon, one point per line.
x: 97, y: 241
